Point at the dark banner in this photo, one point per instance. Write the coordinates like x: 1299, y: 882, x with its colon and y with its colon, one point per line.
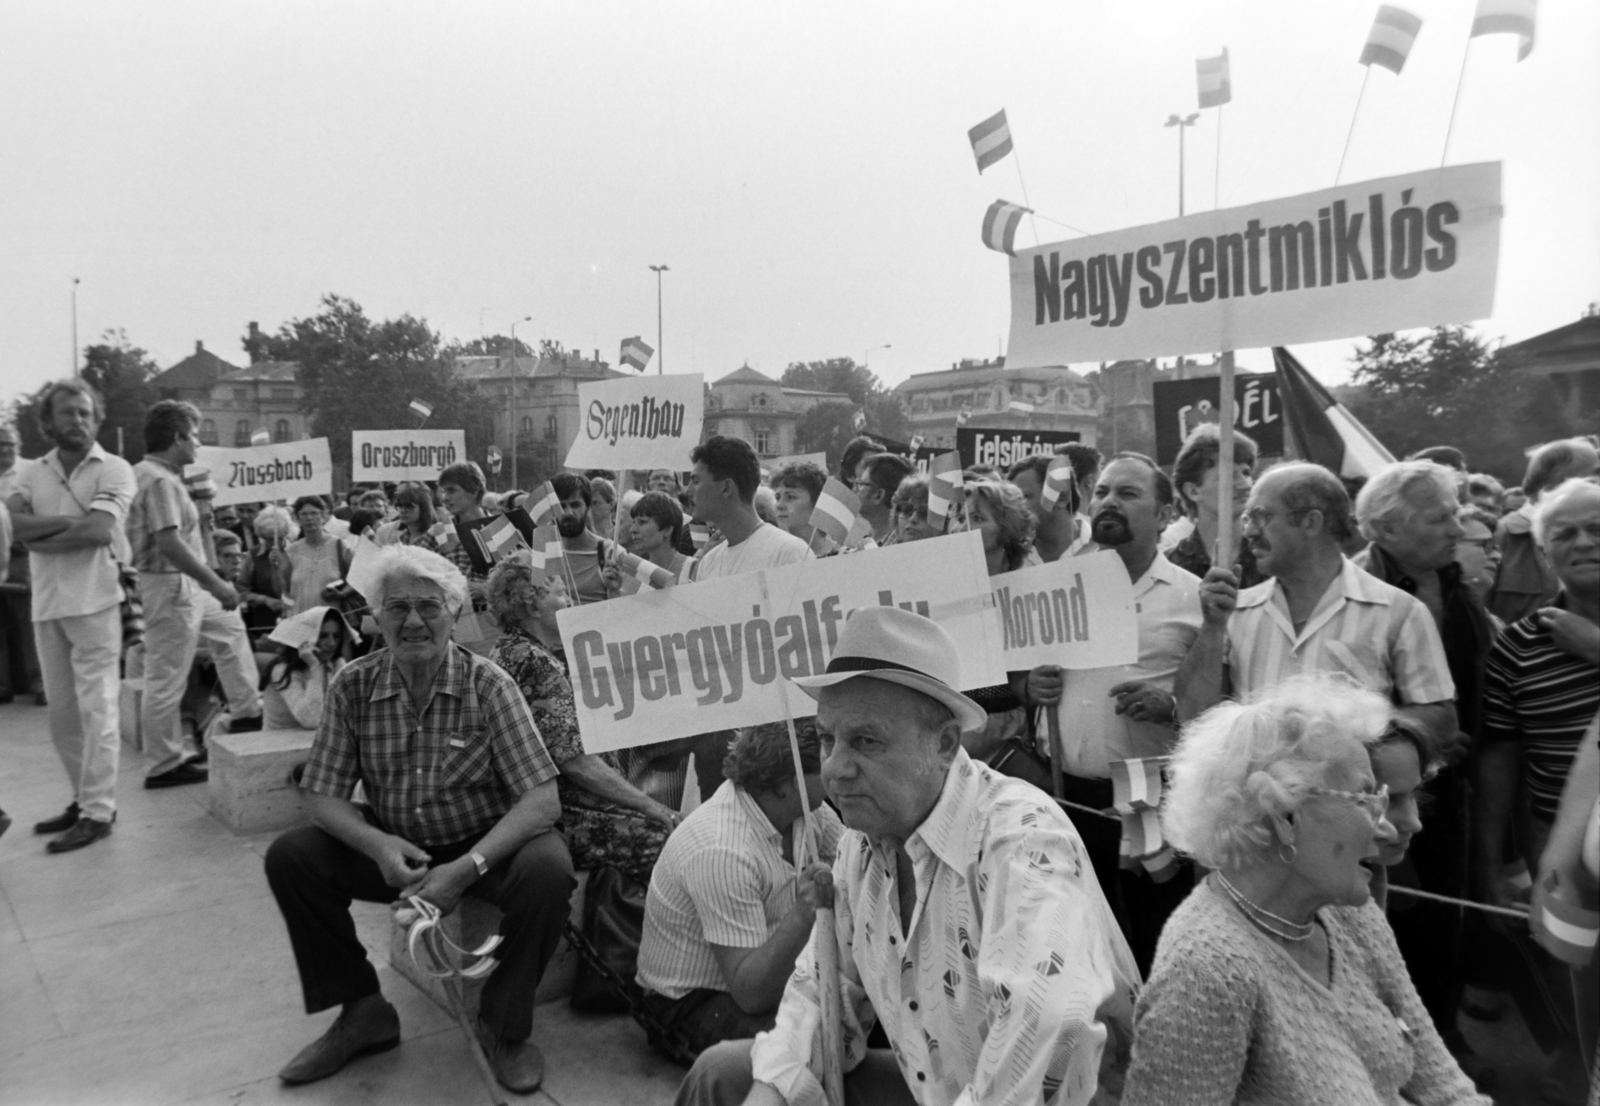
x: 1182, y: 405
x: 998, y: 449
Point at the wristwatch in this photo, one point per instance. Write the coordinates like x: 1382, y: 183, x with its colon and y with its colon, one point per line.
x: 479, y: 862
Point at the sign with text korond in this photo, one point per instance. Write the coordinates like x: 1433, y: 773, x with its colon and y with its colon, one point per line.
x: 641, y: 422
x: 284, y: 470
x: 1076, y: 612
x: 404, y: 454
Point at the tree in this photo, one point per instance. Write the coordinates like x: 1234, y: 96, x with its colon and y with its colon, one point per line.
x: 837, y: 374
x: 121, y: 373
x: 829, y: 426
x: 495, y: 345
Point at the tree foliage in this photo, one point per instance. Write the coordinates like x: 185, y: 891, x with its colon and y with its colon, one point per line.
x: 837, y: 374
x: 829, y: 426
x: 120, y: 371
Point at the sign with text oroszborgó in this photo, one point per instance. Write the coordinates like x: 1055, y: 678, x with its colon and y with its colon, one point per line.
x: 1381, y: 255
x: 719, y: 654
x: 1076, y: 612
x: 638, y: 422
x: 262, y: 473
x: 404, y: 454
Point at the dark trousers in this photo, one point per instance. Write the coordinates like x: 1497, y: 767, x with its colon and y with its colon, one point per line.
x: 723, y: 1077
x: 1141, y: 905
x: 19, y: 657
x: 315, y: 876
x: 705, y: 1017
x: 1430, y: 934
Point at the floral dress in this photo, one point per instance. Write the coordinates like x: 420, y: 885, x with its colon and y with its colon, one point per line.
x: 598, y: 831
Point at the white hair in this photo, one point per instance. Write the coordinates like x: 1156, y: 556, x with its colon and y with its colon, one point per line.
x: 272, y: 521
x: 1240, y: 765
x: 395, y: 561
x: 1384, y: 495
x: 766, y: 503
x: 1556, y: 498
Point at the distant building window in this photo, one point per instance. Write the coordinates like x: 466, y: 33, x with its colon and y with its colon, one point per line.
x: 241, y: 393
x: 241, y: 432
x: 763, y: 437
x: 552, y: 426
x: 283, y: 393
x: 761, y: 401
x: 527, y: 424
x: 280, y: 431
x: 208, y: 431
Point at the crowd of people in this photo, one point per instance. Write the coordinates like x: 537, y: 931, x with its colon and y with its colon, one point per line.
x: 1377, y: 713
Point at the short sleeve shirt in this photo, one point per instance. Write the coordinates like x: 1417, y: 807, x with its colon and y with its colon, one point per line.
x: 79, y: 581
x: 767, y: 546
x: 162, y: 503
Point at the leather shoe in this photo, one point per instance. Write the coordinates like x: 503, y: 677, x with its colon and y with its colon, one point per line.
x: 251, y: 724
x: 177, y: 777
x: 85, y: 831
x: 61, y: 822
x: 518, y: 1065
x: 365, y: 1026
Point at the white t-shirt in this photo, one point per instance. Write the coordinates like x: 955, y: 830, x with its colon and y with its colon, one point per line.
x: 768, y: 546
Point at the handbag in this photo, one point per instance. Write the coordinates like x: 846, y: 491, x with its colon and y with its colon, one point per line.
x: 1018, y: 759
x: 613, y: 926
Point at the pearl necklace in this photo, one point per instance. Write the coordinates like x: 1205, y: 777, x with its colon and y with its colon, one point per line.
x: 1264, y: 919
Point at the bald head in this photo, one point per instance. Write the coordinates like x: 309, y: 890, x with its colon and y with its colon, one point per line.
x: 1302, y: 487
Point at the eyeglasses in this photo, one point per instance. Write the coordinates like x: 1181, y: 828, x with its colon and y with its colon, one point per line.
x: 400, y: 609
x: 1375, y: 804
x: 911, y: 510
x: 1260, y: 516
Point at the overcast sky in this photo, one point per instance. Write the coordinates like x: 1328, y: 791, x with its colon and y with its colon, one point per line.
x: 803, y: 168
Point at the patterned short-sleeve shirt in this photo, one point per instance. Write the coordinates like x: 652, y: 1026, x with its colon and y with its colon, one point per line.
x: 440, y: 777
x: 163, y: 503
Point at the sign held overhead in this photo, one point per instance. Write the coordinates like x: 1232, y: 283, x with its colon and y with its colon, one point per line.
x: 282, y: 471
x: 642, y: 422
x: 404, y: 454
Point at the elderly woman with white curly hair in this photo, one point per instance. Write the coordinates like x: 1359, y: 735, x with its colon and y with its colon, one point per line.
x: 1278, y: 979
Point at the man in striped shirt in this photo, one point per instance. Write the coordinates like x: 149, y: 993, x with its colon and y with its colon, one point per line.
x: 1319, y: 612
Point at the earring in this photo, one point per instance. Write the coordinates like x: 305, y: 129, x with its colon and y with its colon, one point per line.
x: 1293, y: 852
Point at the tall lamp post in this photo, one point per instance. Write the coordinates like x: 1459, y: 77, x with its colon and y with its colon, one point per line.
x: 75, y: 358
x: 867, y: 356
x: 1188, y: 121
x: 661, y: 356
x: 514, y: 431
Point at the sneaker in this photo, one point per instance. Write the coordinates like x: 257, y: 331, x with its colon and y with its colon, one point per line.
x: 85, y: 831
x: 60, y: 823
x: 177, y: 777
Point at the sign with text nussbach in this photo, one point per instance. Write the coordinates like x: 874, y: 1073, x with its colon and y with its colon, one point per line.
x: 404, y: 454
x: 711, y: 656
x: 639, y: 422
x: 267, y: 472
x: 1076, y: 612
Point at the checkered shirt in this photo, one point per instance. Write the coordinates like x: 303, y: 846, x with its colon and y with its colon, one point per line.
x: 441, y: 777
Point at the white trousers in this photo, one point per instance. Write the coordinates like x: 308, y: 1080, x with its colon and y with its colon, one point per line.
x: 78, y: 658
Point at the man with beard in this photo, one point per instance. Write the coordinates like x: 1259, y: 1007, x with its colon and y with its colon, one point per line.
x: 586, y: 552
x: 68, y: 508
x: 1127, y: 711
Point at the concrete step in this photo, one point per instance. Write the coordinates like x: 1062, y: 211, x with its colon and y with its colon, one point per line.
x: 249, y: 788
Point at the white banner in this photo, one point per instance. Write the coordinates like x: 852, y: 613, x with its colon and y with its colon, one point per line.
x: 1366, y: 258
x: 642, y: 422
x: 716, y: 655
x: 268, y: 472
x: 404, y: 454
x: 1076, y: 612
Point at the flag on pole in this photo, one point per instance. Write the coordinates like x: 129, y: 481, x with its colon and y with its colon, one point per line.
x: 859, y: 421
x: 645, y: 571
x: 1057, y: 481
x: 547, y: 552
x: 963, y: 416
x: 944, y: 484
x: 422, y: 409
x: 991, y: 140
x: 1136, y: 784
x: 544, y: 504
x: 636, y: 353
x: 444, y: 535
x: 916, y: 442
x: 1216, y: 85
x: 261, y: 437
x: 497, y: 539
x: 1506, y: 17
x: 1565, y: 929
x: 700, y: 534
x: 1019, y: 405
x: 493, y: 457
x: 1000, y: 225
x: 202, y: 485
x: 1317, y: 426
x: 1389, y: 42
x: 835, y: 510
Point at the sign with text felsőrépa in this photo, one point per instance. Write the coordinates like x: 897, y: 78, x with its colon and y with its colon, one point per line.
x: 640, y: 422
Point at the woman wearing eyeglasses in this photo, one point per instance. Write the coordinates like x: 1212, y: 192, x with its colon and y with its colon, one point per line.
x: 1278, y: 979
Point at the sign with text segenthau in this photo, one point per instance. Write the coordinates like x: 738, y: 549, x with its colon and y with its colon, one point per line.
x: 1365, y: 258
x: 267, y: 472
x: 701, y: 657
x: 404, y: 454
x: 641, y: 422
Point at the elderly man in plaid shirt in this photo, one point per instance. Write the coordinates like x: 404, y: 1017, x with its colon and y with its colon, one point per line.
x: 462, y: 797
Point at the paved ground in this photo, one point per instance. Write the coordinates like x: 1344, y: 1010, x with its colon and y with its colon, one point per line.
x: 153, y: 968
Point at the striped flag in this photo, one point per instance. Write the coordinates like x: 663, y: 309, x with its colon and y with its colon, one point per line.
x: 547, y: 552
x: 963, y: 417
x: 645, y: 571
x: 1216, y: 85
x: 859, y: 421
x: 916, y: 442
x: 497, y: 539
x: 1136, y: 784
x: 422, y: 409
x: 1389, y: 42
x: 1506, y: 17
x: 543, y: 504
x: 261, y: 437
x: 202, y: 485
x: 1057, y: 481
x: 1319, y: 429
x: 1565, y: 929
x: 1000, y: 225
x: 835, y: 510
x: 1141, y: 835
x: 944, y: 484
x: 1024, y: 408
x: 636, y: 353
x: 444, y: 535
x: 991, y: 140
x: 700, y: 534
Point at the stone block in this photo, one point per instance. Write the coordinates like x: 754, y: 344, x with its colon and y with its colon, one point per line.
x: 249, y: 788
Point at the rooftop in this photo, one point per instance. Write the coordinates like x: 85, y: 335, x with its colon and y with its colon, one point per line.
x: 199, y: 370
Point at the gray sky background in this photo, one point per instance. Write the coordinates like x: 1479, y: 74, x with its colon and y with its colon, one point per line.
x: 803, y: 168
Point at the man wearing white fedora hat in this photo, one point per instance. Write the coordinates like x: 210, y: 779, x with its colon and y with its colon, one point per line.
x: 969, y: 920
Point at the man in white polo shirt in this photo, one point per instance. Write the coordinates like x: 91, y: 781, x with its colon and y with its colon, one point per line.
x: 722, y: 490
x: 723, y: 921
x: 68, y: 509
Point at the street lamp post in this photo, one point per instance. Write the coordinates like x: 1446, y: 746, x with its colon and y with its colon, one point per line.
x: 75, y: 358
x: 661, y: 356
x: 867, y: 356
x: 514, y: 435
x: 1188, y: 121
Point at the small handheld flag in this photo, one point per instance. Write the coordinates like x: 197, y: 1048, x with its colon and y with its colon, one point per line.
x: 1136, y: 784
x: 836, y: 510
x: 1389, y: 42
x: 1057, y: 481
x: 859, y: 421
x: 636, y: 353
x: 261, y: 437
x: 1567, y: 931
x: 422, y: 409
x: 916, y: 442
x: 547, y: 552
x: 991, y: 140
x: 1019, y: 405
x: 645, y: 571
x: 963, y: 416
x: 1216, y: 86
x: 1000, y: 226
x: 1318, y: 427
x: 1506, y: 17
x: 544, y: 504
x: 493, y: 457
x: 201, y: 483
x: 497, y: 539
x: 444, y: 535
x: 944, y: 484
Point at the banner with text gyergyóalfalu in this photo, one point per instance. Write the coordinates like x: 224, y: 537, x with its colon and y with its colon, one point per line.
x: 1076, y: 612
x: 404, y: 454
x: 715, y: 655
x: 638, y: 422
x: 1382, y: 255
x: 263, y: 473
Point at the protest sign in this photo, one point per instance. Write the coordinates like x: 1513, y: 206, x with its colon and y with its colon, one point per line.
x: 1382, y: 255
x: 1182, y: 405
x: 267, y: 472
x: 404, y: 454
x: 1004, y: 448
x: 642, y: 422
x: 687, y: 660
x: 1076, y: 612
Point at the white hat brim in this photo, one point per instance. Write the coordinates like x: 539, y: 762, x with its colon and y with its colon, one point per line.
x: 968, y: 714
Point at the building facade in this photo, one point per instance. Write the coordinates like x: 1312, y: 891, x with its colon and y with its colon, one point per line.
x: 235, y: 402
x: 753, y: 406
x: 535, y: 405
x: 1061, y: 400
